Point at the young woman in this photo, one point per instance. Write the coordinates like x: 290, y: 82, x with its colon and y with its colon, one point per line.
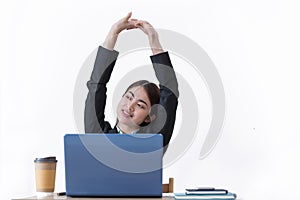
x: 143, y: 108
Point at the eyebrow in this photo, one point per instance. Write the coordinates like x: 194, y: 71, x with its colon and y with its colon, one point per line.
x: 138, y: 99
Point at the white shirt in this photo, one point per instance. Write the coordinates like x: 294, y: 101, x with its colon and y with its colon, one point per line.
x: 133, y: 132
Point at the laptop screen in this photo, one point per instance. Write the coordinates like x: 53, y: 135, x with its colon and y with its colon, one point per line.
x: 113, y: 164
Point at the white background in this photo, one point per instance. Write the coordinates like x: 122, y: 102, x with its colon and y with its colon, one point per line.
x: 254, y: 45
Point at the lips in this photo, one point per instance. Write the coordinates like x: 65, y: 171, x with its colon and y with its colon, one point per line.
x: 126, y: 114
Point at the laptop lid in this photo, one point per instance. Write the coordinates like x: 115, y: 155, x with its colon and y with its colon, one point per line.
x: 113, y: 165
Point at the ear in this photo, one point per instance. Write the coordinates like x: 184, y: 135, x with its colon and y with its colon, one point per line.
x: 150, y: 118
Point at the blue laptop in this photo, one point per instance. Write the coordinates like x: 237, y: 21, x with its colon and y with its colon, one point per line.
x: 113, y: 165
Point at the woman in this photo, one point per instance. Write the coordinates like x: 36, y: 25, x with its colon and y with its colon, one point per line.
x: 140, y: 108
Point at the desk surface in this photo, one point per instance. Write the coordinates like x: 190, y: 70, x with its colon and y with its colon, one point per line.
x: 55, y: 197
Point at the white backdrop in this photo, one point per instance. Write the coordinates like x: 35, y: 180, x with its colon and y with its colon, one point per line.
x: 254, y: 45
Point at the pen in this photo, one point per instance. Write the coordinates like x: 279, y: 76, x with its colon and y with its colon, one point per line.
x: 61, y: 193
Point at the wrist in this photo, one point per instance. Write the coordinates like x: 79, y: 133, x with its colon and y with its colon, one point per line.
x: 114, y: 31
x: 153, y: 37
x: 157, y: 51
x: 110, y: 40
x: 156, y: 47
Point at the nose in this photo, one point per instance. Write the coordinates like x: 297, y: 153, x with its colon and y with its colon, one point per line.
x: 130, y: 106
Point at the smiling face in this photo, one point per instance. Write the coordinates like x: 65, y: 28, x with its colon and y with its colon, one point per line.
x: 133, y: 109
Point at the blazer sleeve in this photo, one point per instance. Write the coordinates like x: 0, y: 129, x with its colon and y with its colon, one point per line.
x: 96, y: 99
x: 168, y: 92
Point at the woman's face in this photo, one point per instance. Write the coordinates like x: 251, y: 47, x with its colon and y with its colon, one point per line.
x: 133, y: 108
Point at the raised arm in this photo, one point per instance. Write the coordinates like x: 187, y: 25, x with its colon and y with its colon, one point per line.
x: 105, y: 61
x: 116, y: 29
x: 167, y: 81
x: 148, y: 29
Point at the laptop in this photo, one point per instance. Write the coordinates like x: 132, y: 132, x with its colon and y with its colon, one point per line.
x: 113, y: 165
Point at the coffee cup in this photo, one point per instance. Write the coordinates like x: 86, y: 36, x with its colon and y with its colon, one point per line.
x: 45, y: 170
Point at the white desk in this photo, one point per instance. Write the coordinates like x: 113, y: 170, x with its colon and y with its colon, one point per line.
x: 55, y: 197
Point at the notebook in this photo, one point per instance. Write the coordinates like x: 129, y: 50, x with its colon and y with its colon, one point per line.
x: 113, y: 165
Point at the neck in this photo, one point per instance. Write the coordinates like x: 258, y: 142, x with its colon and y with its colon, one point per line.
x: 126, y: 129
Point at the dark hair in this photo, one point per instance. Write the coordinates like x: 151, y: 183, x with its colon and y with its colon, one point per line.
x: 152, y: 92
x: 151, y: 89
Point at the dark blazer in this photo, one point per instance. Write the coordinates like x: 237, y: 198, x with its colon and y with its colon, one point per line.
x: 94, y: 117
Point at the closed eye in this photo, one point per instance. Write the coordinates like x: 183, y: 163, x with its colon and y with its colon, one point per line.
x: 141, y: 106
x: 128, y: 96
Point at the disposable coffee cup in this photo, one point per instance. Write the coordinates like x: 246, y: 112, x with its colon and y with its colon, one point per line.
x: 45, y: 170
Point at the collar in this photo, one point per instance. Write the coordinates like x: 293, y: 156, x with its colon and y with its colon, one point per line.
x: 133, y: 132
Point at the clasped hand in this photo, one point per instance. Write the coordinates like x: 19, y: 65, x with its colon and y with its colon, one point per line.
x: 127, y: 23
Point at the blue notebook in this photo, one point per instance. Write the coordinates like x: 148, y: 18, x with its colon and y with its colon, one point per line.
x: 183, y: 196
